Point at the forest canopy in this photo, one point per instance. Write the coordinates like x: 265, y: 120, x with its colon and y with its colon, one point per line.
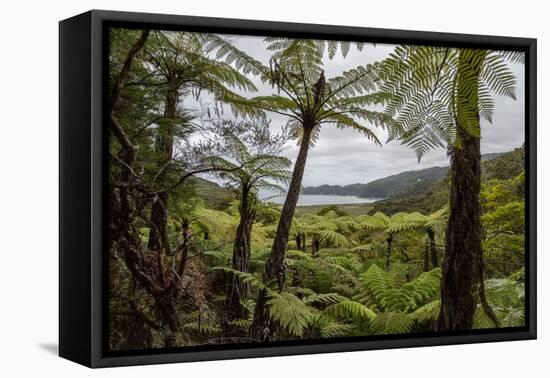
x: 199, y: 131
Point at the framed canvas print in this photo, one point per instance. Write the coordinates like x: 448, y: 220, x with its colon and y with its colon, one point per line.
x: 233, y: 188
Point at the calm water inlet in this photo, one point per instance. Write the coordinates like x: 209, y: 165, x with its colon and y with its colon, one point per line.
x: 321, y: 199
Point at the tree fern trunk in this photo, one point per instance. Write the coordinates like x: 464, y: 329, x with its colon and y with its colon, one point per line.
x: 315, y: 246
x: 427, y: 256
x: 262, y: 329
x: 433, y: 250
x: 274, y: 266
x: 462, y: 265
x: 237, y: 290
x: 389, y: 240
x: 299, y: 241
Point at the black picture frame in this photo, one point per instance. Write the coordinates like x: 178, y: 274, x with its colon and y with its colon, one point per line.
x: 83, y: 168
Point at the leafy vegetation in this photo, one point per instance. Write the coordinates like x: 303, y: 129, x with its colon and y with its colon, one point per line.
x: 195, y: 261
x: 438, y: 98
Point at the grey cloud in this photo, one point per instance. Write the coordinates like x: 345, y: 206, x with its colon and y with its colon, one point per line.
x: 346, y: 157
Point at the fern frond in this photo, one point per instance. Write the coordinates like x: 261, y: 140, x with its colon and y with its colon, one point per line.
x: 422, y: 289
x: 345, y: 310
x: 325, y: 299
x: 334, y: 238
x: 514, y: 317
x: 290, y: 312
x: 244, y: 277
x: 241, y: 323
x: 377, y: 283
x: 224, y: 49
x: 201, y: 328
x: 434, y: 90
x: 297, y: 254
x: 497, y: 75
x: 410, y: 296
x: 481, y: 320
x: 335, y: 330
x: 347, y: 263
x: 390, y: 323
x: 427, y: 312
x: 517, y: 57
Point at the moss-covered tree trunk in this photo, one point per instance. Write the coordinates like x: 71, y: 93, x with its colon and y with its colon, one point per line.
x: 462, y: 265
x: 125, y: 237
x: 164, y: 149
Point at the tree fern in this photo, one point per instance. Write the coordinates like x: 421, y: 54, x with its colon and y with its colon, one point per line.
x: 377, y: 282
x: 296, y: 70
x: 422, y: 289
x: 436, y: 221
x: 423, y: 85
x: 333, y: 238
x: 407, y: 298
x: 398, y: 222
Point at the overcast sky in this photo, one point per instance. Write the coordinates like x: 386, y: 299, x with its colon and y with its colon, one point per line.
x: 345, y: 156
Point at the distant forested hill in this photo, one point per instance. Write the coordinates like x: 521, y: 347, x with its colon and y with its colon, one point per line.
x: 399, y: 184
x: 502, y: 166
x: 213, y: 194
x: 385, y: 187
x: 423, y: 189
x: 508, y: 165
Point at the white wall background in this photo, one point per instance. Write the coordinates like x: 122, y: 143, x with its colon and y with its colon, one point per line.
x: 29, y: 186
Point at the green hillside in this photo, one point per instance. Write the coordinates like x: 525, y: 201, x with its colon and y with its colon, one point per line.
x: 400, y: 184
x: 508, y: 165
x: 211, y: 193
x: 429, y: 198
x: 384, y: 187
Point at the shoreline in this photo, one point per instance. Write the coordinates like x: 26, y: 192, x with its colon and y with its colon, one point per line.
x: 339, y: 204
x: 328, y: 200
